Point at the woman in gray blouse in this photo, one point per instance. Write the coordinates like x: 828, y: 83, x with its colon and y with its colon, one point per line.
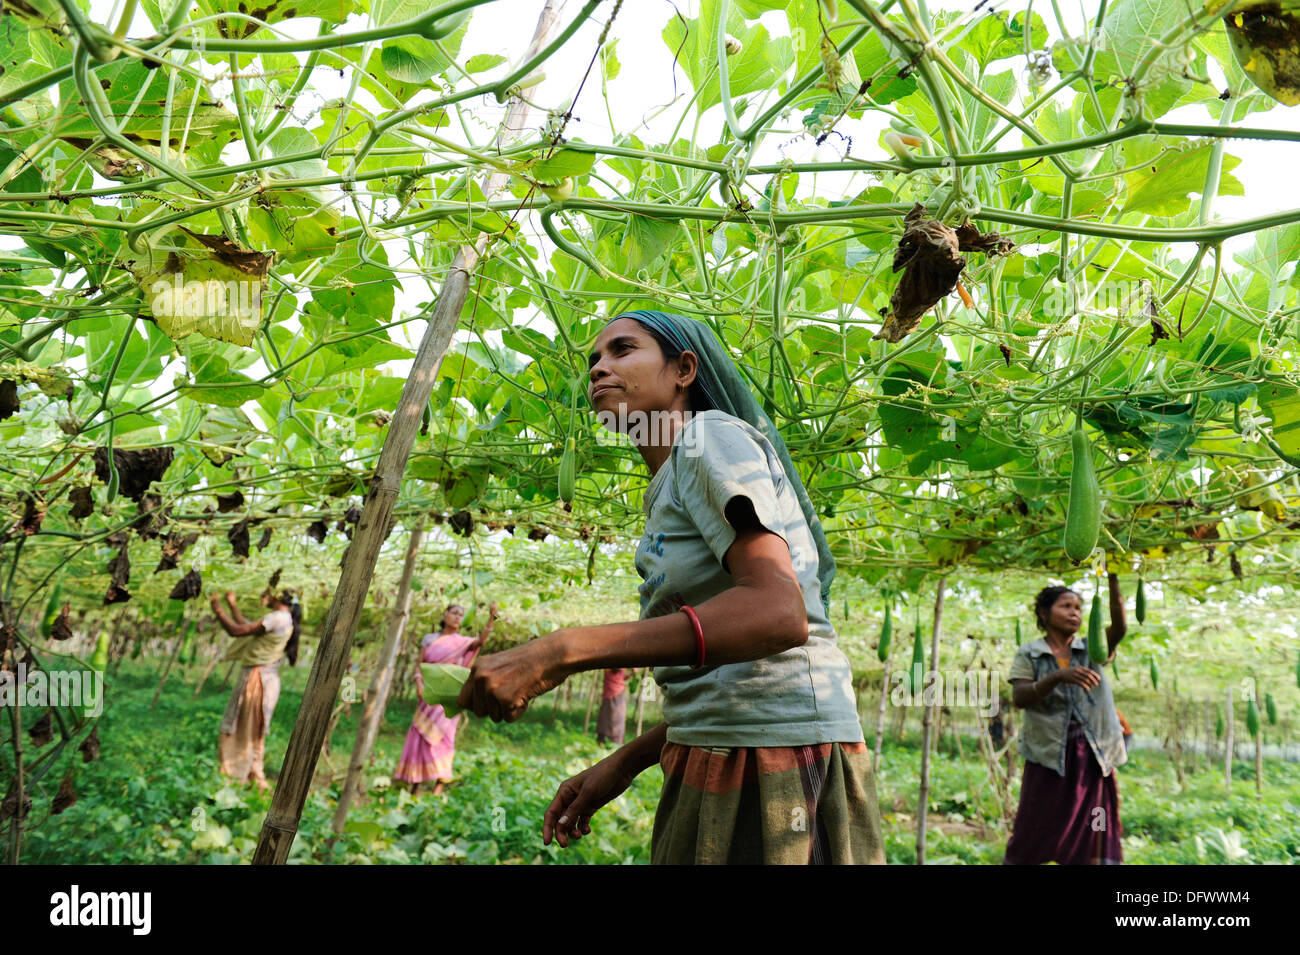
x: 762, y: 750
x: 1070, y: 738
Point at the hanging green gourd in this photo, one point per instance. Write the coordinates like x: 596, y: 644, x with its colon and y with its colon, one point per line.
x: 918, y: 661
x: 1218, y: 723
x: 1096, y: 651
x: 568, y: 474
x: 1155, y: 674
x: 1252, y: 718
x: 886, y: 632
x: 1018, y: 637
x: 1270, y: 707
x: 99, y: 659
x: 1140, y: 603
x: 110, y: 493
x: 1083, y: 514
x: 53, y: 607
x: 1114, y: 667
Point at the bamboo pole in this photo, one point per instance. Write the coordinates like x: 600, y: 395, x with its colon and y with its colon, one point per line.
x: 207, y: 671
x: 19, y: 786
x: 641, y: 688
x: 1259, y: 760
x: 591, y: 699
x: 880, y: 715
x: 281, y: 824
x: 1209, y: 735
x: 926, y: 725
x: 176, y: 649
x: 377, y: 695
x: 1228, y: 746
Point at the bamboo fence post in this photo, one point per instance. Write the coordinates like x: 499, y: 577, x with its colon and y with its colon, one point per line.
x: 926, y: 725
x: 19, y: 786
x: 1228, y: 747
x: 281, y: 823
x: 1209, y: 735
x: 207, y: 671
x: 880, y: 715
x: 176, y: 649
x: 376, y: 698
x: 591, y: 699
x: 641, y: 687
x: 1259, y: 760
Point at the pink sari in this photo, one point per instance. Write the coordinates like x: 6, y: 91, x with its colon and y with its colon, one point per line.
x: 431, y: 741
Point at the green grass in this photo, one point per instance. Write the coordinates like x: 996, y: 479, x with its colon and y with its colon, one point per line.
x: 155, y: 796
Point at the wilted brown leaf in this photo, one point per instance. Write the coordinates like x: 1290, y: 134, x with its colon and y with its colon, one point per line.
x: 66, y: 796
x: 188, y: 587
x: 136, y: 470
x: 83, y: 502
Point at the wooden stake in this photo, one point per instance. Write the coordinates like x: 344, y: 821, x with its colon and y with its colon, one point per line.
x: 1259, y: 760
x: 176, y: 649
x: 377, y: 695
x: 281, y: 824
x: 1228, y: 746
x: 207, y: 671
x: 591, y: 699
x: 641, y: 688
x: 926, y: 725
x: 880, y: 715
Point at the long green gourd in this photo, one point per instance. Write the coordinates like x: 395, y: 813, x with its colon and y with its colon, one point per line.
x: 1083, y: 515
x: 886, y: 632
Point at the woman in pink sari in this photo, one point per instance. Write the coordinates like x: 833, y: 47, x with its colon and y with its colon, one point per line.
x: 431, y: 741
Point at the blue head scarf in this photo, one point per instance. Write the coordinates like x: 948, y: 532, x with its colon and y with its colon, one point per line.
x: 724, y: 389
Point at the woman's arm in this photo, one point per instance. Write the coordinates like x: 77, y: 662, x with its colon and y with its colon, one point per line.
x: 234, y: 608
x: 235, y: 629
x: 761, y: 615
x: 486, y: 633
x: 1027, y: 693
x: 568, y: 818
x: 1118, y: 622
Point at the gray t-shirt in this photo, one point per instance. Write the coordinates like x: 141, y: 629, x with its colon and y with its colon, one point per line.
x: 795, y: 698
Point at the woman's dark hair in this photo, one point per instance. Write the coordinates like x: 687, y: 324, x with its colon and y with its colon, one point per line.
x: 1045, y: 601
x: 699, y: 401
x: 295, y: 611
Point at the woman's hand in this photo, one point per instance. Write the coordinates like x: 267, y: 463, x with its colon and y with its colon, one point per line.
x: 500, y: 685
x: 568, y: 817
x: 1079, y: 676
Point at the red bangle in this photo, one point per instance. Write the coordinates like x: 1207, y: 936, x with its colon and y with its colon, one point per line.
x: 699, y: 636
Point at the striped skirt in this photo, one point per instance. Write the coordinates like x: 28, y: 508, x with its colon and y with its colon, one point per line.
x: 1071, y: 819
x: 794, y: 805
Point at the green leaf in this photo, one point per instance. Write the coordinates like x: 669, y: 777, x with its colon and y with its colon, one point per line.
x: 1160, y: 184
x: 566, y: 162
x: 442, y: 683
x: 1282, y: 404
x: 483, y: 61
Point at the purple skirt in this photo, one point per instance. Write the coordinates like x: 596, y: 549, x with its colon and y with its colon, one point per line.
x: 1071, y: 819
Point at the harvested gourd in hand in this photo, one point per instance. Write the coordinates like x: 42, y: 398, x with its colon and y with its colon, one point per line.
x: 442, y: 683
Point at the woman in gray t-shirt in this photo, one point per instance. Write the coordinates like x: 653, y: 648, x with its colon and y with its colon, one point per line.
x: 762, y: 751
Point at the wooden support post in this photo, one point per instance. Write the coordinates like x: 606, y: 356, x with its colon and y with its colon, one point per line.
x: 926, y: 725
x: 281, y: 823
x: 377, y: 695
x: 880, y: 716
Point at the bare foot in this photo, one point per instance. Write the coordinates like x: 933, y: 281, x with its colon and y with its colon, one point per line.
x: 437, y: 788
